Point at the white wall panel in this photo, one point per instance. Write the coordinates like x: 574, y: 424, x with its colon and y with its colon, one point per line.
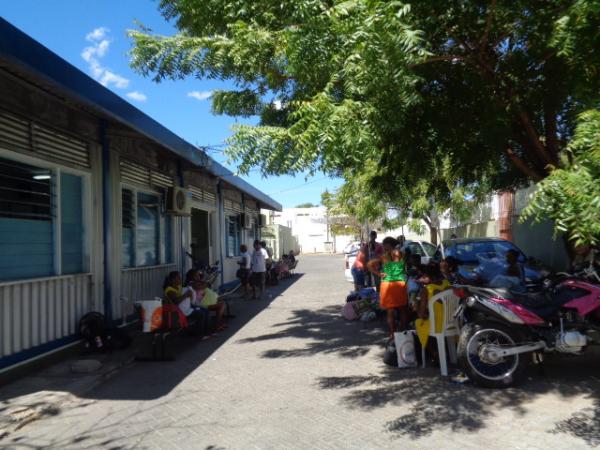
x: 141, y: 283
x: 38, y: 311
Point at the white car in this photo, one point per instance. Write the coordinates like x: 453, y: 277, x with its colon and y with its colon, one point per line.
x: 349, y: 259
x: 424, y: 249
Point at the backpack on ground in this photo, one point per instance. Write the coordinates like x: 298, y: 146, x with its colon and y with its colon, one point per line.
x: 92, y: 328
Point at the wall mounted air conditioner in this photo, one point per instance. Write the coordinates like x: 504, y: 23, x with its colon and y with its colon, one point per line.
x: 262, y: 220
x: 245, y: 221
x: 178, y: 201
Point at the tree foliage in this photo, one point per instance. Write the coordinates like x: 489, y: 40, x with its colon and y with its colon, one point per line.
x: 306, y: 205
x: 446, y: 99
x: 571, y: 195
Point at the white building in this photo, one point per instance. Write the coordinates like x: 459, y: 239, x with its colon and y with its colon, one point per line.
x: 310, y: 226
x: 98, y: 203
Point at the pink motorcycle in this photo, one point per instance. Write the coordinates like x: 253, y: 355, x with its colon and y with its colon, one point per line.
x: 502, y: 331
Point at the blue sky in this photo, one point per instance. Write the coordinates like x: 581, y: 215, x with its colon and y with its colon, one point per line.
x: 91, y: 35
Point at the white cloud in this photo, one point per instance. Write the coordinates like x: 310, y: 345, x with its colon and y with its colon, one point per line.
x: 92, y: 55
x: 137, y: 95
x: 277, y: 104
x: 109, y: 78
x: 96, y: 34
x: 200, y: 95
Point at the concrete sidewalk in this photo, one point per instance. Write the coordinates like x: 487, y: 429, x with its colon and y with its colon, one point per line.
x: 293, y: 374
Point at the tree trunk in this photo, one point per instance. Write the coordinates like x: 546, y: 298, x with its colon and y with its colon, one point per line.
x: 570, y: 248
x: 433, y: 235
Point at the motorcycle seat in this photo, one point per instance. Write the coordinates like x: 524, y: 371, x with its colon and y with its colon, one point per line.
x: 541, y: 303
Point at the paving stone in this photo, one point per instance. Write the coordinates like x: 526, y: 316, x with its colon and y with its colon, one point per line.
x: 289, y: 373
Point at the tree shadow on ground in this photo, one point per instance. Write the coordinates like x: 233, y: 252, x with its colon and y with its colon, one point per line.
x: 114, y: 429
x: 434, y: 403
x: 143, y: 380
x: 431, y: 402
x: 584, y: 424
x: 326, y: 333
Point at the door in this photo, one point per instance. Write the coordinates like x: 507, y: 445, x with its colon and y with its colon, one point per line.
x: 200, y: 237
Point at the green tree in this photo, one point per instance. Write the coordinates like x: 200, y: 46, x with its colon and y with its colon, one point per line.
x: 306, y: 205
x: 571, y: 195
x: 444, y: 97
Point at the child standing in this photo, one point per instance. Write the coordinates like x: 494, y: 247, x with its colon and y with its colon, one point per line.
x: 393, y: 295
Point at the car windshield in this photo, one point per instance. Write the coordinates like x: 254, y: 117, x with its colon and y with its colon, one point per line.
x: 469, y: 252
x: 430, y: 249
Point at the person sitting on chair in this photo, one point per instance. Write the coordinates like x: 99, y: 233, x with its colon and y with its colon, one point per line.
x: 206, y: 298
x: 176, y: 294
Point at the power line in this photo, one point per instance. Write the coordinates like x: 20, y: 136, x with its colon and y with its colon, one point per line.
x: 299, y: 186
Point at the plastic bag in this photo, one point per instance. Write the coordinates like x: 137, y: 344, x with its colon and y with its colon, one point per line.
x: 405, y: 349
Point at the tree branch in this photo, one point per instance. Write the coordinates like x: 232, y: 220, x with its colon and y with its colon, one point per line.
x: 523, y: 167
x: 451, y: 58
x: 488, y: 25
x: 533, y: 137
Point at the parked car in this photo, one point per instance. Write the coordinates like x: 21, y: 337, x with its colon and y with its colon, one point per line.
x: 349, y: 259
x: 424, y: 249
x: 469, y: 252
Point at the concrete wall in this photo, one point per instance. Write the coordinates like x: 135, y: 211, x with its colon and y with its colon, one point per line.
x: 536, y: 240
x: 280, y: 240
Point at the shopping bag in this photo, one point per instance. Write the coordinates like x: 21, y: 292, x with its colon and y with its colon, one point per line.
x: 348, y: 311
x: 405, y: 348
x: 151, y: 315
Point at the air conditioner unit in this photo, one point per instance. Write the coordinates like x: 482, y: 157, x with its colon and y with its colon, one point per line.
x: 262, y: 221
x: 178, y: 201
x: 244, y: 220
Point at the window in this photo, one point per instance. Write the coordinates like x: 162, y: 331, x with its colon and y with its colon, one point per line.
x: 415, y: 249
x: 71, y: 223
x: 430, y: 249
x: 470, y: 252
x: 233, y: 236
x: 42, y: 223
x: 144, y: 230
x: 147, y: 242
x: 128, y: 227
x: 168, y: 239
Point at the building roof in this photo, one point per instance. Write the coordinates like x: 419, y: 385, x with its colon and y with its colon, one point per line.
x: 21, y: 50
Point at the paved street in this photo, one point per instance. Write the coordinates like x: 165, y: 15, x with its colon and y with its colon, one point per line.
x: 291, y: 373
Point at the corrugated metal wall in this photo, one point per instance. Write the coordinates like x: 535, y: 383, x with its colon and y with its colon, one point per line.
x: 142, y: 283
x: 39, y: 311
x: 139, y: 283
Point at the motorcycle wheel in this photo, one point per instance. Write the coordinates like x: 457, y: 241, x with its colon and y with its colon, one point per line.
x: 482, y: 370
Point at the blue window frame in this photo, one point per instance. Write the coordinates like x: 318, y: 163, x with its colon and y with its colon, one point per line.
x: 71, y: 223
x: 145, y: 229
x: 42, y: 223
x: 233, y: 236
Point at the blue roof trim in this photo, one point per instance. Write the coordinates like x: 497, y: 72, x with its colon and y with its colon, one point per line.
x: 22, y: 50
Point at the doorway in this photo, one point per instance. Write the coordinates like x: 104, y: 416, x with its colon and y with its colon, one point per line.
x: 200, y: 237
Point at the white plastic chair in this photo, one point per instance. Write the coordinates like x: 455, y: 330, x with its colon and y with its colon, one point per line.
x: 449, y: 328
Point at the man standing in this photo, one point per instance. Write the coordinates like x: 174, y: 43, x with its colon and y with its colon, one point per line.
x: 375, y: 251
x: 259, y: 269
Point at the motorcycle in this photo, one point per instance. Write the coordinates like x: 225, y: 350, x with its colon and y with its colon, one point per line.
x: 502, y: 331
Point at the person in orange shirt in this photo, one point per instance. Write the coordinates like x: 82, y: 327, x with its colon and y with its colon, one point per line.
x: 359, y: 268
